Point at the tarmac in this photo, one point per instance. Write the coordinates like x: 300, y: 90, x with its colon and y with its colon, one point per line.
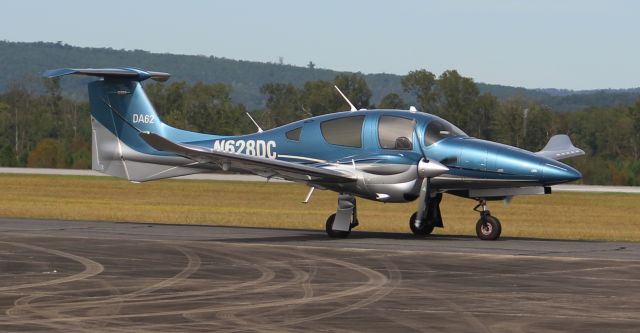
x: 82, y: 276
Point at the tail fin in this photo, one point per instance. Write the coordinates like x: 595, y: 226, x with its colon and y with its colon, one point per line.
x: 120, y: 110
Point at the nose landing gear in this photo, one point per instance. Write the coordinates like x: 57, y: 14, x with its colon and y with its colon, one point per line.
x: 488, y: 227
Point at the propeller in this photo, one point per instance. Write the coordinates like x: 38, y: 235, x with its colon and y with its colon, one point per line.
x: 427, y: 169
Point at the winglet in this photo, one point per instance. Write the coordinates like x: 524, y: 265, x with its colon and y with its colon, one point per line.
x: 560, y: 147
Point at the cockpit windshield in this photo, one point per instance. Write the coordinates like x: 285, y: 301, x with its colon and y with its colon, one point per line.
x: 439, y: 129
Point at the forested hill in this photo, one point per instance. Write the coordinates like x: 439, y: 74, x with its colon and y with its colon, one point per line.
x: 26, y: 61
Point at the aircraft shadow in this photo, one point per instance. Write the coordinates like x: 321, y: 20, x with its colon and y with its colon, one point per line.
x: 319, y: 236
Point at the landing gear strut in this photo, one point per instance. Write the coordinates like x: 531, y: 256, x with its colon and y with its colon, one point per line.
x: 488, y: 227
x: 339, y: 225
x: 428, y: 215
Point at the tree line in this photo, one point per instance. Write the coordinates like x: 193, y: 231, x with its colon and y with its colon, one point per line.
x: 22, y: 59
x: 49, y: 130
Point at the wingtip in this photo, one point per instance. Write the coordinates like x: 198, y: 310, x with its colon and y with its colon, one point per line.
x: 52, y: 73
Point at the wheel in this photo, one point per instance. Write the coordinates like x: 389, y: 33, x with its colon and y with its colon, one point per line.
x: 424, y: 229
x: 488, y: 228
x: 336, y: 233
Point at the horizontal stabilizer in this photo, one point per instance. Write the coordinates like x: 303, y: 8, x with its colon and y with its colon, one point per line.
x: 560, y: 147
x: 133, y: 74
x: 258, y: 165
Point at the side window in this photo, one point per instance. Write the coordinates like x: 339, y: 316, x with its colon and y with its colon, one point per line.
x: 294, y: 134
x: 396, y: 132
x: 343, y: 131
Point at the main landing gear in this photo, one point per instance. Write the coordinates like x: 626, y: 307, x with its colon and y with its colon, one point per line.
x: 488, y: 227
x: 428, y: 215
x: 422, y: 222
x: 339, y: 225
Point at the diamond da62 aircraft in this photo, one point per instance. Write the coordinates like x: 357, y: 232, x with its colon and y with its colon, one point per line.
x: 381, y: 155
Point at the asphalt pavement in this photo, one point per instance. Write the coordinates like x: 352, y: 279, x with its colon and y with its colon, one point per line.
x: 82, y: 276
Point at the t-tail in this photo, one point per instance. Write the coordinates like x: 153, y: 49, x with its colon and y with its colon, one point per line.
x: 120, y: 110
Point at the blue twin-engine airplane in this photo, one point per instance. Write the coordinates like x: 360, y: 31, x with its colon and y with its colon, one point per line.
x: 381, y: 155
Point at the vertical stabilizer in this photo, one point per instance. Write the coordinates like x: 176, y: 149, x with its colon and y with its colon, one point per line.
x: 120, y: 110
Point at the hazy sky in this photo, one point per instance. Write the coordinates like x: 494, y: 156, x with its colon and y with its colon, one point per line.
x: 560, y: 44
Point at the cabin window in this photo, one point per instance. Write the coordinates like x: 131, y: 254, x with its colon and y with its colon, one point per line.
x: 439, y: 129
x: 345, y: 131
x: 396, y: 132
x: 294, y: 134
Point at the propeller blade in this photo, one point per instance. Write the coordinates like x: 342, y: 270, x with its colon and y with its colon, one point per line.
x: 507, y: 200
x: 422, y: 204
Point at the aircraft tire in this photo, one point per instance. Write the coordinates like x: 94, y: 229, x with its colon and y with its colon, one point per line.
x: 423, y: 230
x: 335, y: 233
x: 488, y: 228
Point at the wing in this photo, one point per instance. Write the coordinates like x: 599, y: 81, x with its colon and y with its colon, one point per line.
x: 258, y: 165
x: 560, y: 147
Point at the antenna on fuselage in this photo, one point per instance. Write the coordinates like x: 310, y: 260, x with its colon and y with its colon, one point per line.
x: 353, y: 108
x: 254, y: 122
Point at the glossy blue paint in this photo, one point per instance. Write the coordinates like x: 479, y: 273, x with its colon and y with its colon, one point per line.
x: 468, y: 158
x: 118, y: 103
x: 124, y: 109
x: 382, y: 155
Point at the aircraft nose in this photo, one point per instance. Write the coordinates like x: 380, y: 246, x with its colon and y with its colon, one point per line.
x: 557, y: 173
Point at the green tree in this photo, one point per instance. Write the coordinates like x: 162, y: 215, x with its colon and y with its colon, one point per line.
x: 421, y: 83
x: 49, y: 153
x: 320, y: 97
x: 54, y: 94
x: 209, y: 109
x: 7, y: 155
x: 456, y: 99
x: 392, y: 101
x: 537, y: 127
x: 79, y: 153
x: 523, y: 123
x: 283, y: 104
x: 634, y: 115
x: 355, y: 88
x: 486, y: 107
x: 200, y: 107
x: 507, y: 125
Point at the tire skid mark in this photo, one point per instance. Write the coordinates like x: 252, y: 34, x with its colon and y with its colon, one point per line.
x: 376, y: 282
x: 468, y: 316
x: 382, y: 290
x: 26, y: 306
x: 192, y: 266
x: 261, y: 327
x: 55, y: 309
x: 23, y: 306
x: 142, y: 297
x: 92, y: 268
x: 299, y: 277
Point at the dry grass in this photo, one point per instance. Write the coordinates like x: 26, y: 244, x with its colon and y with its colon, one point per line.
x: 561, y: 215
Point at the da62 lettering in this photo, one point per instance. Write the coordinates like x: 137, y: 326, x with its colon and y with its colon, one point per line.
x: 142, y: 118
